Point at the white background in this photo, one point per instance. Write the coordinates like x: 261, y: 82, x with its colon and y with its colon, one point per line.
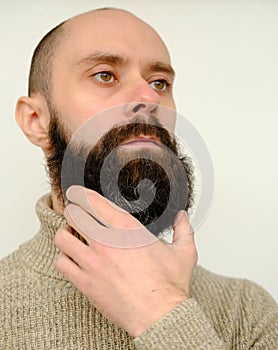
x: 226, y: 57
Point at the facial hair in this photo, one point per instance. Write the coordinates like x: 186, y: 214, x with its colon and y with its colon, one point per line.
x: 159, y: 174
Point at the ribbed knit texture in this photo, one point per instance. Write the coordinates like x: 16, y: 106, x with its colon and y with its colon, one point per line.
x: 40, y: 310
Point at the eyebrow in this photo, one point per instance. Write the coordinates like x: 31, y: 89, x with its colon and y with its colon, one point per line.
x: 162, y: 67
x: 103, y: 57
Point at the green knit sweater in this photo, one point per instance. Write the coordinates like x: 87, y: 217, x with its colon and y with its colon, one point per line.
x: 40, y: 310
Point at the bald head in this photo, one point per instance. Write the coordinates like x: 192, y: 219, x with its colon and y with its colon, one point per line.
x: 41, y: 71
x: 41, y: 65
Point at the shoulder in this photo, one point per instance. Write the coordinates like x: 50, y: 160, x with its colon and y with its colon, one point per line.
x: 13, y: 283
x: 10, y: 268
x: 12, y: 273
x: 234, y: 301
x: 208, y: 284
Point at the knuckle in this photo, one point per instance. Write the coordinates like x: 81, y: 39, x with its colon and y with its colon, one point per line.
x: 59, y: 263
x: 59, y: 237
x: 191, y: 252
x: 195, y: 256
x: 88, y: 261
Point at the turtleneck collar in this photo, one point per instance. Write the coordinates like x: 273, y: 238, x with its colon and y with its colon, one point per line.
x: 40, y: 253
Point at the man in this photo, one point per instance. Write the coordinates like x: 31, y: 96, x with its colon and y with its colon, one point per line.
x: 65, y: 288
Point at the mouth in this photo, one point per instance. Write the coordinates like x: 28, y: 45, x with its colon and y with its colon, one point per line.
x: 142, y: 141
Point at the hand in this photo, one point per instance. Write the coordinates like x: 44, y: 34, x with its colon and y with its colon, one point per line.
x: 132, y: 287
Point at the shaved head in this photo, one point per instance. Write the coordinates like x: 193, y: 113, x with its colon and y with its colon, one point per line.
x: 40, y: 76
x: 90, y: 63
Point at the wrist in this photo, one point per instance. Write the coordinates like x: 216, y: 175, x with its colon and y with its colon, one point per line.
x: 143, y: 323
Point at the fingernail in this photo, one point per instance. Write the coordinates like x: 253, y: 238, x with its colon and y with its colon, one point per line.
x: 74, y: 189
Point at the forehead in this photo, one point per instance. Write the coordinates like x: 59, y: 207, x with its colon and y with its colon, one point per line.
x: 112, y: 31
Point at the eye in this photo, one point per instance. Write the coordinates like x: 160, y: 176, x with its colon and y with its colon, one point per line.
x: 160, y: 84
x: 104, y: 77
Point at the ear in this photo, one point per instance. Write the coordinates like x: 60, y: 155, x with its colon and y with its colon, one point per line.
x: 32, y: 116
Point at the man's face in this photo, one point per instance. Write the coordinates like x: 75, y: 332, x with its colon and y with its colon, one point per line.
x: 108, y: 58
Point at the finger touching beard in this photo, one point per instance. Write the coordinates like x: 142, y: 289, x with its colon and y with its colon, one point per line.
x: 152, y: 184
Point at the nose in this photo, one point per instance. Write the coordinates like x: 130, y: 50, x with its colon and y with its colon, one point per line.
x: 143, y: 99
x: 133, y: 108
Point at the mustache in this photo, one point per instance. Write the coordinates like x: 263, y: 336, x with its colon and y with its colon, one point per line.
x: 138, y: 126
x: 91, y: 156
x: 79, y: 161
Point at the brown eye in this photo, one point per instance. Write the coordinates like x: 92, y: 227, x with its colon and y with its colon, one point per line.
x: 106, y: 77
x: 159, y: 84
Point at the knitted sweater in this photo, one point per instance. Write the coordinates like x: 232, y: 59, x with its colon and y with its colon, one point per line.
x: 40, y: 309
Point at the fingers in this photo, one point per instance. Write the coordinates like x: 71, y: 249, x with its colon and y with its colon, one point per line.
x: 101, y: 208
x: 118, y: 237
x: 68, y: 268
x: 84, y: 223
x: 70, y: 245
x: 184, y: 234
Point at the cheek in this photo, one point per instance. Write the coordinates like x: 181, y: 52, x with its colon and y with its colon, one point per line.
x: 105, y: 112
x: 89, y: 122
x: 75, y: 115
x: 168, y: 101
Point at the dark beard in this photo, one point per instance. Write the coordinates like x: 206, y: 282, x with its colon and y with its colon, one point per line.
x: 154, y: 202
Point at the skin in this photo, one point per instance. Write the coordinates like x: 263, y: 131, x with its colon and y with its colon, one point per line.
x: 149, y: 281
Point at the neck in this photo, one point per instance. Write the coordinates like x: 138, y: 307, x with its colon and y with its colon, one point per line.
x: 56, y: 203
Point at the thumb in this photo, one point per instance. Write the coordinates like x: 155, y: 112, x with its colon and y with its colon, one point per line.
x: 183, y: 231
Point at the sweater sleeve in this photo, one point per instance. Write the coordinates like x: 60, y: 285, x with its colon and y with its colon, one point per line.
x: 184, y: 327
x: 261, y: 314
x: 255, y: 325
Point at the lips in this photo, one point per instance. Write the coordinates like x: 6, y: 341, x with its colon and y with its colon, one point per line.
x: 143, y: 140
